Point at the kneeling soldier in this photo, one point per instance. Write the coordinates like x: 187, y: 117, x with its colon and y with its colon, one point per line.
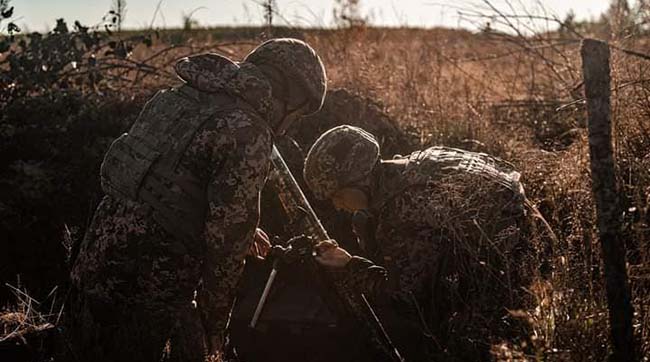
x: 451, y: 226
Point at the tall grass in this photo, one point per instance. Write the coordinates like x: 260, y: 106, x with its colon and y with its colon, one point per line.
x: 487, y: 92
x: 453, y: 88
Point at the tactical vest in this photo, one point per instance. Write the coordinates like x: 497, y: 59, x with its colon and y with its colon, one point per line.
x: 141, y: 165
x: 424, y: 167
x: 436, y: 162
x: 439, y: 161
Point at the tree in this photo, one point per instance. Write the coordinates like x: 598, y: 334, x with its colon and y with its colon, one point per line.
x: 6, y: 12
x: 619, y: 18
x: 347, y: 13
x: 118, y: 10
x: 642, y: 13
x: 568, y: 23
x: 269, y: 7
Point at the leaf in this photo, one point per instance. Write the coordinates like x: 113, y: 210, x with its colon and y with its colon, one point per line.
x: 80, y: 28
x: 8, y: 13
x: 4, y: 46
x: 61, y: 27
x: 12, y: 28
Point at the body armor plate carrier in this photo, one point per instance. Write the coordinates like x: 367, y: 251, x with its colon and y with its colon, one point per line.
x: 141, y: 165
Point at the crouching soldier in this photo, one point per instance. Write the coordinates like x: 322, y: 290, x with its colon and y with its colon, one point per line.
x: 182, y: 205
x: 451, y: 226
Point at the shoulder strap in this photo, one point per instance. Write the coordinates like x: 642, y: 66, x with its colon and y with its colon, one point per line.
x: 161, y: 134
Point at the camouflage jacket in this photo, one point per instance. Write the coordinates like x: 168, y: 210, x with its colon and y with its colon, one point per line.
x: 427, y: 206
x: 134, y: 254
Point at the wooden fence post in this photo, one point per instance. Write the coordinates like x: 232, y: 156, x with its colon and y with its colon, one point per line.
x: 596, y: 71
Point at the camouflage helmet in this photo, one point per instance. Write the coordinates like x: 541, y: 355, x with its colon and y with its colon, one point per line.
x: 299, y: 63
x: 339, y: 158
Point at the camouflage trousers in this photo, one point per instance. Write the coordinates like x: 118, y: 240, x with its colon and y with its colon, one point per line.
x: 97, y: 331
x: 132, y: 286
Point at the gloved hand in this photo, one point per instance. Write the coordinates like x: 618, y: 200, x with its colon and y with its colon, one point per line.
x: 329, y: 254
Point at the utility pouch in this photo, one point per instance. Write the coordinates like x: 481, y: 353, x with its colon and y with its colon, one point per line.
x: 125, y: 166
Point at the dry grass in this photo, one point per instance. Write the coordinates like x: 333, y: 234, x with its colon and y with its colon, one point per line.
x: 478, y: 91
x: 27, y: 329
x: 430, y: 82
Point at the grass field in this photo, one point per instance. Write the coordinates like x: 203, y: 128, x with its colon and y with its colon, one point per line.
x: 519, y: 98
x: 495, y: 95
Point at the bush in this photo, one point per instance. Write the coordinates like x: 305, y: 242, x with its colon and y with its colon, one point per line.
x: 50, y: 151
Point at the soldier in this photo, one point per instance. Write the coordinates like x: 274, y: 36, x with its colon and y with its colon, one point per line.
x: 451, y: 227
x: 182, y: 205
x: 341, y: 106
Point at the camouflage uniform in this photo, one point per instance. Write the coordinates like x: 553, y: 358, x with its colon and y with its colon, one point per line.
x: 341, y: 106
x: 182, y: 207
x: 449, y: 225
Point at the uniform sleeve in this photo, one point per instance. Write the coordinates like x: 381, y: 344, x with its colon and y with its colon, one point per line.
x: 233, y: 214
x: 361, y: 275
x: 412, y: 239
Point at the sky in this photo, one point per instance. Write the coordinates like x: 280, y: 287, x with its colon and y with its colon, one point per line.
x: 40, y: 15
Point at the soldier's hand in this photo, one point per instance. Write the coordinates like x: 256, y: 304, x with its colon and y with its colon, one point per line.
x: 261, y: 245
x: 329, y: 254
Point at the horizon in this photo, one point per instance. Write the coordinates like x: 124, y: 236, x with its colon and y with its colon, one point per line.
x: 41, y: 15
